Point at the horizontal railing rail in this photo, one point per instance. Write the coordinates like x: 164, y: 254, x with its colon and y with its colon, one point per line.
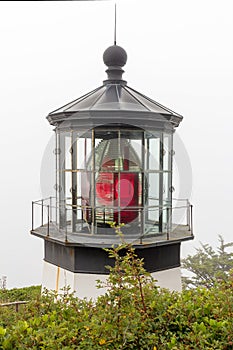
x: 14, y: 303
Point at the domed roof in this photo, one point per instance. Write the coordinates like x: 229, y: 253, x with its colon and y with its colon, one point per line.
x: 114, y: 96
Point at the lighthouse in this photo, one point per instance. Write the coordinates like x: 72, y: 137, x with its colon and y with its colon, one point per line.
x: 114, y: 163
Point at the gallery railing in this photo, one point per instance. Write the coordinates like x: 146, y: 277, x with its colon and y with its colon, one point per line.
x: 46, y: 212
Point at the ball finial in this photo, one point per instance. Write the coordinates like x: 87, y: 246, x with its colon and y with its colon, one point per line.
x: 115, y: 56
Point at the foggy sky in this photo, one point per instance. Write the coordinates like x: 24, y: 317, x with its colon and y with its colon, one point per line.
x: 180, y: 54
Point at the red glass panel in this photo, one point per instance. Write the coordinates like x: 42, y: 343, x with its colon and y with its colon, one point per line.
x: 104, y: 188
x: 128, y: 189
x: 107, y: 193
x: 117, y: 185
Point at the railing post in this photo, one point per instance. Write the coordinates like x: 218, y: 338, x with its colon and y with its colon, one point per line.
x: 191, y: 212
x: 56, y: 210
x: 42, y: 212
x: 66, y: 238
x: 168, y: 225
x: 188, y: 214
x: 50, y: 205
x: 142, y: 226
x: 32, y: 216
x: 48, y: 208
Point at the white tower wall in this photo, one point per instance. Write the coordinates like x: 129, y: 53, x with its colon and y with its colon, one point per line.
x: 84, y: 285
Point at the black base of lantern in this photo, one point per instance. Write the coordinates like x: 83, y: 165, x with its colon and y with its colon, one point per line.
x: 86, y: 259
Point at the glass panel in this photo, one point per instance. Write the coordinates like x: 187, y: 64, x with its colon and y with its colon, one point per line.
x: 69, y: 214
x: 153, y: 186
x: 83, y: 152
x: 68, y: 187
x: 117, y: 179
x: 167, y: 152
x: 153, y: 212
x: 61, y: 167
x: 166, y: 188
x: 84, y: 192
x: 165, y: 216
x: 79, y: 183
x: 153, y: 196
x: 153, y: 152
x: 68, y: 151
x: 139, y: 149
x: 64, y: 150
x: 99, y: 144
x: 115, y: 154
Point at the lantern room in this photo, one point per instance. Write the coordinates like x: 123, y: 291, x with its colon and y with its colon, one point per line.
x: 114, y: 164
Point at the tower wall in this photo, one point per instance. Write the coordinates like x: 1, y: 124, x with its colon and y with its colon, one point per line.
x: 84, y: 285
x: 80, y: 266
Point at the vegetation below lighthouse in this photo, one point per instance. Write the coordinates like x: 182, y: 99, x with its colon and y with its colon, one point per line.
x: 133, y: 314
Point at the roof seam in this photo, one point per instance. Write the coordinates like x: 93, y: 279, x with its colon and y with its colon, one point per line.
x: 137, y: 99
x: 99, y: 97
x: 76, y: 100
x: 116, y: 86
x: 84, y: 97
x: 158, y: 104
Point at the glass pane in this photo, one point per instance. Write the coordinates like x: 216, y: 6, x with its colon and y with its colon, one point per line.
x: 83, y: 152
x: 68, y: 188
x: 153, y: 159
x: 117, y: 154
x: 84, y: 190
x: 64, y: 150
x: 153, y: 197
x: 153, y: 212
x: 153, y: 186
x: 61, y: 151
x: 167, y: 152
x: 79, y: 184
x: 68, y: 151
x: 68, y: 217
x: 139, y: 151
x: 165, y: 216
x: 166, y: 188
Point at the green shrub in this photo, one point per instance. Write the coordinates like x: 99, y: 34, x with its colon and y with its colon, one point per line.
x: 133, y: 314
